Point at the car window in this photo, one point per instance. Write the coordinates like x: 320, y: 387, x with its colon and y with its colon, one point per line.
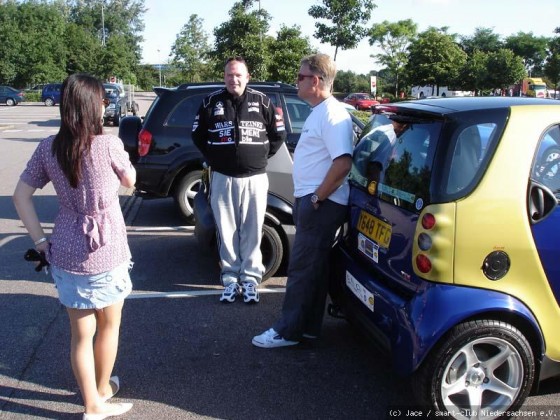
x: 397, y: 169
x: 469, y: 151
x: 184, y: 112
x: 546, y: 166
x: 298, y: 111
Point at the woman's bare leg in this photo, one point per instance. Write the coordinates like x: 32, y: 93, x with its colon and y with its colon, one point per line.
x: 106, y: 346
x: 83, y: 325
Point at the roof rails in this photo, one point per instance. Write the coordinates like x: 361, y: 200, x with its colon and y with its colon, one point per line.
x: 221, y: 84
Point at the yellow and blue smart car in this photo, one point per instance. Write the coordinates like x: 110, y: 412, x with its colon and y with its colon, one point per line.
x: 451, y: 259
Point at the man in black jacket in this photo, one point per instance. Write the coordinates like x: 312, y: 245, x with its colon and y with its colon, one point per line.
x: 237, y: 129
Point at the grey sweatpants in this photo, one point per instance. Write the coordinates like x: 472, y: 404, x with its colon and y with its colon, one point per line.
x: 239, y: 206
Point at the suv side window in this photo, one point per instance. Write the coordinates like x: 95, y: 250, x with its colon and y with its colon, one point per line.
x: 298, y: 111
x: 184, y: 112
x: 546, y: 167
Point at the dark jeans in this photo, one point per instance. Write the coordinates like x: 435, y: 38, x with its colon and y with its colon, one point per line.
x: 308, y: 280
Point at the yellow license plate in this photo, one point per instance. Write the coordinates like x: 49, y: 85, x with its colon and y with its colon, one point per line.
x: 375, y: 229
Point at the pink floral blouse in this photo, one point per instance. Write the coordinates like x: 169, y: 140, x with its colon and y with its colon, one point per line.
x: 89, y: 235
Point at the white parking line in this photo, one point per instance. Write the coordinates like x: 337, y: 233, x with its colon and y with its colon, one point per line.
x: 194, y: 293
x: 162, y: 229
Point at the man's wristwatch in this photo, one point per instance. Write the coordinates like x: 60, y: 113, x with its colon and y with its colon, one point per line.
x: 315, y: 199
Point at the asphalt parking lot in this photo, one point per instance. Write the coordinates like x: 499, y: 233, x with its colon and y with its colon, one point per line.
x: 183, y: 354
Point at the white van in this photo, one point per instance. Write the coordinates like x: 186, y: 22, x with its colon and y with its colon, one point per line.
x: 422, y: 92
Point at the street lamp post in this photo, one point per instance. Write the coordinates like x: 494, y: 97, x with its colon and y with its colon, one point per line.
x: 102, y: 26
x: 159, y: 59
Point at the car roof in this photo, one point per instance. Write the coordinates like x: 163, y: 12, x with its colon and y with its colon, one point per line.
x: 445, y: 106
x: 274, y: 85
x: 211, y: 86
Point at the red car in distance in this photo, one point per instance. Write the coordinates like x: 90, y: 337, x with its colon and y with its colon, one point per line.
x: 361, y: 101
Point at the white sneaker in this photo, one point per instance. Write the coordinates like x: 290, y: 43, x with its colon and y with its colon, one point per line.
x: 250, y: 292
x: 271, y: 339
x: 230, y: 292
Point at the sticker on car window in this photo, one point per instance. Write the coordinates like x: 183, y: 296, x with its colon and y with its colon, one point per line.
x: 403, y: 195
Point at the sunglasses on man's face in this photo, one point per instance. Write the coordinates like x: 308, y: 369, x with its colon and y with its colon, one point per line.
x: 300, y: 76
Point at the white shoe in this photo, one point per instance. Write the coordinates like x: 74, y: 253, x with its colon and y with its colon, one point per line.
x: 230, y: 293
x: 271, y: 339
x: 250, y: 292
x: 118, y: 409
x: 117, y: 386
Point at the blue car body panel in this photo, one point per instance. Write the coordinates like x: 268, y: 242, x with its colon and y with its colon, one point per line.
x: 410, y: 330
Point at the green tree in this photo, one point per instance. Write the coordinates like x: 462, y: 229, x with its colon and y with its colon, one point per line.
x: 10, y: 42
x: 473, y: 74
x: 435, y: 59
x: 531, y: 49
x: 552, y: 66
x: 83, y: 50
x: 118, y: 25
x: 244, y: 35
x: 348, y: 18
x: 32, y: 47
x: 484, y: 39
x: 116, y: 59
x: 348, y: 81
x: 190, y: 51
x: 504, y: 69
x: 286, y: 52
x: 394, y: 40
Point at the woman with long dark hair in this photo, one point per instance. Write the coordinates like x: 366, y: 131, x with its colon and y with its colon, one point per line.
x: 88, y: 249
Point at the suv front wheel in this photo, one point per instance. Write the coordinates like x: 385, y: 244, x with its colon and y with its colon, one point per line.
x: 186, y: 190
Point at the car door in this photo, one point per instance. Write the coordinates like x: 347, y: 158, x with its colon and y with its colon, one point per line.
x: 544, y: 212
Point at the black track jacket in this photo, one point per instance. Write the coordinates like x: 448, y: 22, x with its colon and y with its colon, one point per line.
x: 237, y: 135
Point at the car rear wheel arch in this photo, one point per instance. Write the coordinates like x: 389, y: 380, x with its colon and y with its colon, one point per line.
x: 484, y: 339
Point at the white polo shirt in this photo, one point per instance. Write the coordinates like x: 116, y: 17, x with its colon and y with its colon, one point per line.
x: 326, y: 135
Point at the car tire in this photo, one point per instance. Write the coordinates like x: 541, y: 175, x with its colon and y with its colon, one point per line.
x: 10, y: 102
x: 272, y: 250
x: 488, y: 360
x: 186, y: 190
x: 49, y: 102
x: 117, y: 119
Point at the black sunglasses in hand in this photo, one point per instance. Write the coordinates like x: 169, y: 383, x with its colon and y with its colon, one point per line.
x: 34, y: 255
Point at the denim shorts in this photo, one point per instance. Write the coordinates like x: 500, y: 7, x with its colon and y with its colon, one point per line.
x: 93, y: 291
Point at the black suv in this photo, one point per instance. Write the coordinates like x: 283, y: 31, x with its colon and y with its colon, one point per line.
x: 115, y: 103
x: 161, y: 148
x: 168, y: 164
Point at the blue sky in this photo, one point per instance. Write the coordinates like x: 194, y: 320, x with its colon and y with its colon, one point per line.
x: 165, y: 19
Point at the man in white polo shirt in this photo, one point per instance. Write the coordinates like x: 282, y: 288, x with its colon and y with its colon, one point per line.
x: 322, y: 160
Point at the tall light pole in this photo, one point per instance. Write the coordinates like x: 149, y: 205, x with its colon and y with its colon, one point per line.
x: 102, y: 26
x: 159, y: 60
